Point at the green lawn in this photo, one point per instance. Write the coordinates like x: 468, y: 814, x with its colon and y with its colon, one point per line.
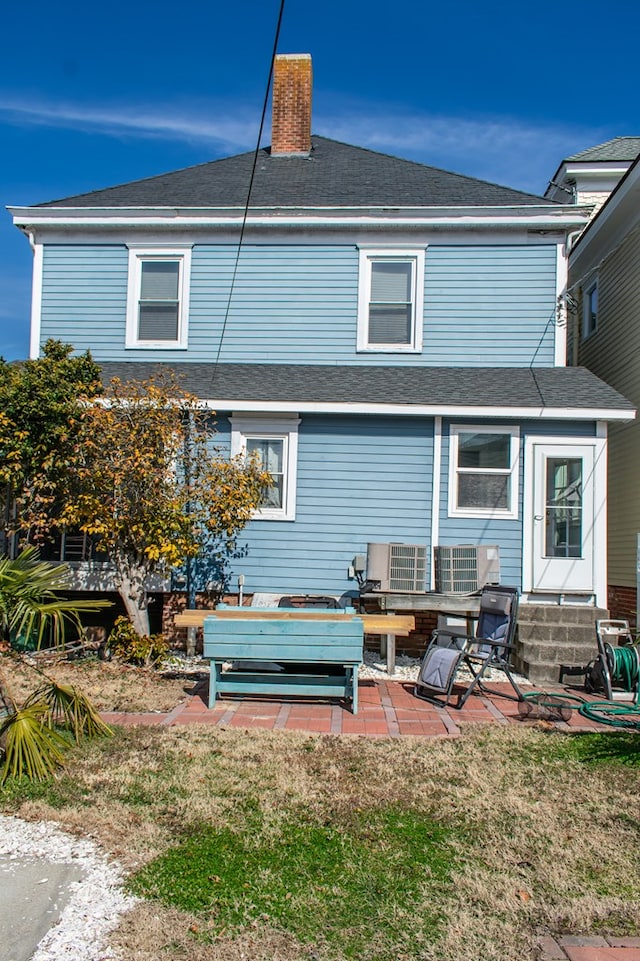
x: 284, y: 846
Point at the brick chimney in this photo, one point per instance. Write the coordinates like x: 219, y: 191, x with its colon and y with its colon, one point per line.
x: 291, y: 116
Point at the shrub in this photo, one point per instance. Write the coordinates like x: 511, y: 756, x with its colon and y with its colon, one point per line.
x: 127, y: 645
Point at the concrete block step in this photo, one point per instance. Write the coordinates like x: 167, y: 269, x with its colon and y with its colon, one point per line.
x: 560, y: 653
x: 539, y: 672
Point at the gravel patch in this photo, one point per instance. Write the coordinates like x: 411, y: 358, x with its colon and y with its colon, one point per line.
x: 373, y: 668
x: 94, y: 903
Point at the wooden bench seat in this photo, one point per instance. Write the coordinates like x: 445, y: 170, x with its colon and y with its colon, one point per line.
x: 283, y: 651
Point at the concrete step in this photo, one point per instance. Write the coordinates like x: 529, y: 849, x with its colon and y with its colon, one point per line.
x: 552, y: 635
x: 568, y: 652
x: 540, y: 672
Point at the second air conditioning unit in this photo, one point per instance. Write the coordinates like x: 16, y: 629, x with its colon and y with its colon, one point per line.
x: 464, y: 568
x: 398, y: 567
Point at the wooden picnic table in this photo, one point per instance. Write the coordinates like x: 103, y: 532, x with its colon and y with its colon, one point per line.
x: 388, y: 625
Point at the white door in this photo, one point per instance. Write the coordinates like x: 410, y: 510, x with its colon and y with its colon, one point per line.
x: 563, y: 518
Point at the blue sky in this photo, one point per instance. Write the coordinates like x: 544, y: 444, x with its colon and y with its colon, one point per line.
x: 96, y: 95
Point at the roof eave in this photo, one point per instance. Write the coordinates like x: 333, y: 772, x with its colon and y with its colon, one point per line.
x: 423, y: 410
x: 542, y: 216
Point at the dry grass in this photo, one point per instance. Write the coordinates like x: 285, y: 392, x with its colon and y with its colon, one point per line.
x: 111, y: 686
x: 539, y: 840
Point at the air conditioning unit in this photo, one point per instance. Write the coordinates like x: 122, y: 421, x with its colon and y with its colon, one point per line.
x: 464, y: 568
x: 398, y: 567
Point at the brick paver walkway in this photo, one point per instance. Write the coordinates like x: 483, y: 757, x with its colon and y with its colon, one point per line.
x: 589, y: 949
x: 386, y: 709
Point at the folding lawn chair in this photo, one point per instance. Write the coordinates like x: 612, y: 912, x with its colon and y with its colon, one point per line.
x: 490, y: 648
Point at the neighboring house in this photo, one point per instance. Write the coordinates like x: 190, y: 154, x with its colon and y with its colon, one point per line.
x: 589, y: 177
x: 604, y: 335
x: 391, y: 339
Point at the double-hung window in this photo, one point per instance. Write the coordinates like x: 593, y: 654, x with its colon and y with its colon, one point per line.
x: 483, y: 472
x: 158, y: 297
x: 590, y: 309
x: 274, y: 444
x: 390, y: 301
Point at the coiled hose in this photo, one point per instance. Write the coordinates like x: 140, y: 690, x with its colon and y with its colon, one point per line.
x: 623, y: 666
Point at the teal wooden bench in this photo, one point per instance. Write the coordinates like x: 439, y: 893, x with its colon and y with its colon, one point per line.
x: 284, y: 651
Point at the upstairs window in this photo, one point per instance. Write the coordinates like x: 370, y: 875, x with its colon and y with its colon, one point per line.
x: 590, y: 309
x: 157, y: 308
x: 483, y: 475
x: 390, y: 309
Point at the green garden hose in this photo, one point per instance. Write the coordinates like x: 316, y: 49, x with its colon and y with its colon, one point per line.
x: 613, y: 713
x: 624, y: 667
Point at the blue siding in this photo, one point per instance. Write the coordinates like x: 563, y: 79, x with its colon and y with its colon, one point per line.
x: 359, y: 480
x: 84, y: 297
x: 490, y: 306
x: 297, y: 304
x: 364, y: 480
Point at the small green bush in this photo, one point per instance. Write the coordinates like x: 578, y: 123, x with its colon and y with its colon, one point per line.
x: 127, y: 645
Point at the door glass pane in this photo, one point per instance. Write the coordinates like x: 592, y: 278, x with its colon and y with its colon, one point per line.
x: 563, y: 507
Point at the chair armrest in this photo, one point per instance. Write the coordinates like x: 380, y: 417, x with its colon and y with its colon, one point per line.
x: 447, y: 639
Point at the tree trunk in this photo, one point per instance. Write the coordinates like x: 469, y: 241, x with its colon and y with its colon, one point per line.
x: 131, y: 587
x: 139, y: 617
x: 7, y: 703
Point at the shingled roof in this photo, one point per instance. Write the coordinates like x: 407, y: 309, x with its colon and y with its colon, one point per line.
x: 333, y: 175
x: 623, y: 149
x: 518, y: 387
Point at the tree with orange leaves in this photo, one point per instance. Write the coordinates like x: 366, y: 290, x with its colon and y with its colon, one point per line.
x: 153, y: 490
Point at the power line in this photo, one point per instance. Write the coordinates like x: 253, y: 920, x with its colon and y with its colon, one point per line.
x: 251, y: 179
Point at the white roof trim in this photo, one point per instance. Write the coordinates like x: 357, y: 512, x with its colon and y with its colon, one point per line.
x: 422, y: 410
x: 542, y: 217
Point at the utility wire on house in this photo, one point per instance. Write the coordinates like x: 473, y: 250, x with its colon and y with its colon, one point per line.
x: 247, y: 205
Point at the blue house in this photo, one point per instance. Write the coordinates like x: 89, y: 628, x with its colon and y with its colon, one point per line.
x: 390, y: 338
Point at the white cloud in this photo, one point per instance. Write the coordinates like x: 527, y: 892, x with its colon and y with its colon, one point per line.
x: 503, y: 150
x: 145, y: 122
x: 514, y: 152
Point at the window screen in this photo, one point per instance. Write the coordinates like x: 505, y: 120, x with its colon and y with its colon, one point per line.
x: 391, y: 302
x: 159, y: 305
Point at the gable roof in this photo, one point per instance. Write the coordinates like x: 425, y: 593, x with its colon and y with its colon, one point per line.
x: 333, y: 175
x: 623, y: 149
x: 522, y: 391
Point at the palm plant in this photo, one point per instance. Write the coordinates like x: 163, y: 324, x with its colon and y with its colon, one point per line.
x: 31, y: 607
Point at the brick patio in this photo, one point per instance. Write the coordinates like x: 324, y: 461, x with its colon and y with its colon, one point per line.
x: 386, y: 709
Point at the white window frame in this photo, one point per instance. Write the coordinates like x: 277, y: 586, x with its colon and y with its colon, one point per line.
x: 513, y: 471
x: 256, y: 427
x: 367, y: 257
x: 589, y: 325
x: 138, y: 254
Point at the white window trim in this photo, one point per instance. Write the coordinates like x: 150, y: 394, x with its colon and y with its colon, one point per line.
x: 587, y: 329
x: 367, y: 256
x: 279, y: 428
x: 514, y: 471
x: 181, y: 253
